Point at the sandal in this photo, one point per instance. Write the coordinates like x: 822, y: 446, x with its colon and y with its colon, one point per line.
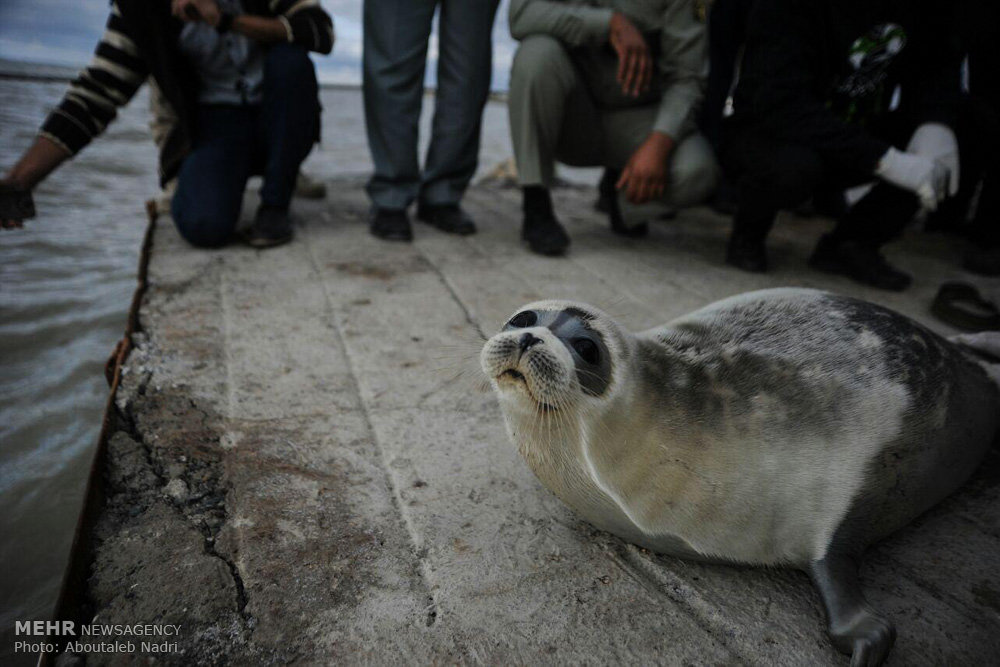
x: 960, y: 305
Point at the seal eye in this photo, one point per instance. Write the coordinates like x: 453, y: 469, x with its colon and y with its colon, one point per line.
x: 587, y: 350
x: 523, y: 319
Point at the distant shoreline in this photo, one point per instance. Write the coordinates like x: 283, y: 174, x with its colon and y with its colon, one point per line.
x: 17, y: 70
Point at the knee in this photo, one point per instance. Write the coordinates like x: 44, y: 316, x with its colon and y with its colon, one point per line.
x: 539, y: 58
x: 205, y: 225
x: 287, y: 66
x: 693, y: 181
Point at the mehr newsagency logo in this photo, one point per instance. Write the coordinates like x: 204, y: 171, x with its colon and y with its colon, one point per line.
x: 95, y: 637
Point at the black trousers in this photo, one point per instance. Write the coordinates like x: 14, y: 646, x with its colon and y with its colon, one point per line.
x: 771, y: 175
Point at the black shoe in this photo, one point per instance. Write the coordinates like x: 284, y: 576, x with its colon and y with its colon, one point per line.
x: 544, y: 234
x: 448, y: 218
x: 746, y: 253
x: 618, y: 225
x: 390, y: 224
x: 859, y: 262
x: 606, y: 193
x: 271, y: 227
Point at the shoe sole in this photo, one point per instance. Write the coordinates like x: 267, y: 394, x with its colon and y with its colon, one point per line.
x: 836, y: 268
x: 267, y: 243
x: 456, y: 232
x: 392, y: 237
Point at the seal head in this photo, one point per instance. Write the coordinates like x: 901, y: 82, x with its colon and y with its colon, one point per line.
x: 550, y: 355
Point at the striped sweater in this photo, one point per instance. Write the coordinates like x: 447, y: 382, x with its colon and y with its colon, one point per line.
x: 124, y: 58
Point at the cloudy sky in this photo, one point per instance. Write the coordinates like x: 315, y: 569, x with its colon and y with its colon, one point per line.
x: 64, y: 32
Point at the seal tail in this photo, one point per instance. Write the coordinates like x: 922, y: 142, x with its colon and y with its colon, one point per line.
x: 985, y: 347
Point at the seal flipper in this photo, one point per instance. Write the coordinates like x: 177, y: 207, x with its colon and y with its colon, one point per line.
x: 853, y: 627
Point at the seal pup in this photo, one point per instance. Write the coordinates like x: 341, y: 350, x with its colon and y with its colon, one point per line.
x: 785, y: 427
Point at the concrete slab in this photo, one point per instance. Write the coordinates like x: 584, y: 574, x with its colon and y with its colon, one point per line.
x: 307, y: 425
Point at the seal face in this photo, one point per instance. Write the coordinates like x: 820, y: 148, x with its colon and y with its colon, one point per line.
x: 569, y: 326
x: 781, y: 427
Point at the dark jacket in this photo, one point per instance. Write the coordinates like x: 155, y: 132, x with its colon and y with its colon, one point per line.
x: 822, y: 73
x: 141, y: 40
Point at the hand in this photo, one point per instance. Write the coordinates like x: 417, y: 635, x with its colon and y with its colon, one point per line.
x: 925, y: 177
x: 196, y: 10
x: 645, y: 175
x: 635, y: 65
x: 938, y: 142
x: 8, y: 184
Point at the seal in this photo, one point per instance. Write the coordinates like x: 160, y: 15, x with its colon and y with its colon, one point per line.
x: 785, y: 427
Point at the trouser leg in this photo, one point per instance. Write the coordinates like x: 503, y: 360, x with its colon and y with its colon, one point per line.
x: 769, y: 176
x: 288, y: 120
x: 206, y: 205
x: 542, y: 81
x: 395, y: 56
x: 878, y: 217
x: 465, y: 57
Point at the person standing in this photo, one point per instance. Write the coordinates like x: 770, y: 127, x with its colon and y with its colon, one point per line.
x: 396, y: 36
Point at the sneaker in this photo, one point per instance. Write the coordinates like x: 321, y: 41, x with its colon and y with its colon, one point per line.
x: 746, y: 253
x: 271, y: 227
x: 390, y: 224
x: 859, y: 262
x: 448, y: 218
x: 544, y: 234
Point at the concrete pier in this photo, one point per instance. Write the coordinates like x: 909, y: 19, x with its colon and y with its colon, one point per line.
x: 306, y: 468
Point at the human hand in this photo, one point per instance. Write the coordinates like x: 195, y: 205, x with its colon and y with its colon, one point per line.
x: 196, y: 10
x: 925, y: 177
x: 938, y: 142
x: 16, y: 204
x: 645, y: 176
x: 635, y: 65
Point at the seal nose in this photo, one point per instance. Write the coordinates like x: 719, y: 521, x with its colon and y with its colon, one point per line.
x: 527, y: 340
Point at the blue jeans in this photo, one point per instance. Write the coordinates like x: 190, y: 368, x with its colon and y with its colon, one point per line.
x: 235, y: 142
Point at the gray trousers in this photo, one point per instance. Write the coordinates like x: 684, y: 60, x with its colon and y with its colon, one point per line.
x: 396, y: 33
x: 553, y: 117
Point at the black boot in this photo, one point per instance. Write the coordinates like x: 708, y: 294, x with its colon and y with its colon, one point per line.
x: 390, y: 224
x: 448, y: 218
x: 859, y: 262
x: 747, y: 252
x: 271, y: 227
x: 541, y: 230
x: 606, y: 193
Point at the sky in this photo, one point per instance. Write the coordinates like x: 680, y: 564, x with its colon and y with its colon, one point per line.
x: 64, y: 32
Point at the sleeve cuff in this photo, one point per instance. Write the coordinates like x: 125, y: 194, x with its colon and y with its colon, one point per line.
x: 596, y: 22
x: 65, y: 131
x: 673, y: 121
x: 57, y: 141
x: 288, y: 28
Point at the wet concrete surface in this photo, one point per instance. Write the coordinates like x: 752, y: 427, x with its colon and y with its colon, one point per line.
x: 307, y: 468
